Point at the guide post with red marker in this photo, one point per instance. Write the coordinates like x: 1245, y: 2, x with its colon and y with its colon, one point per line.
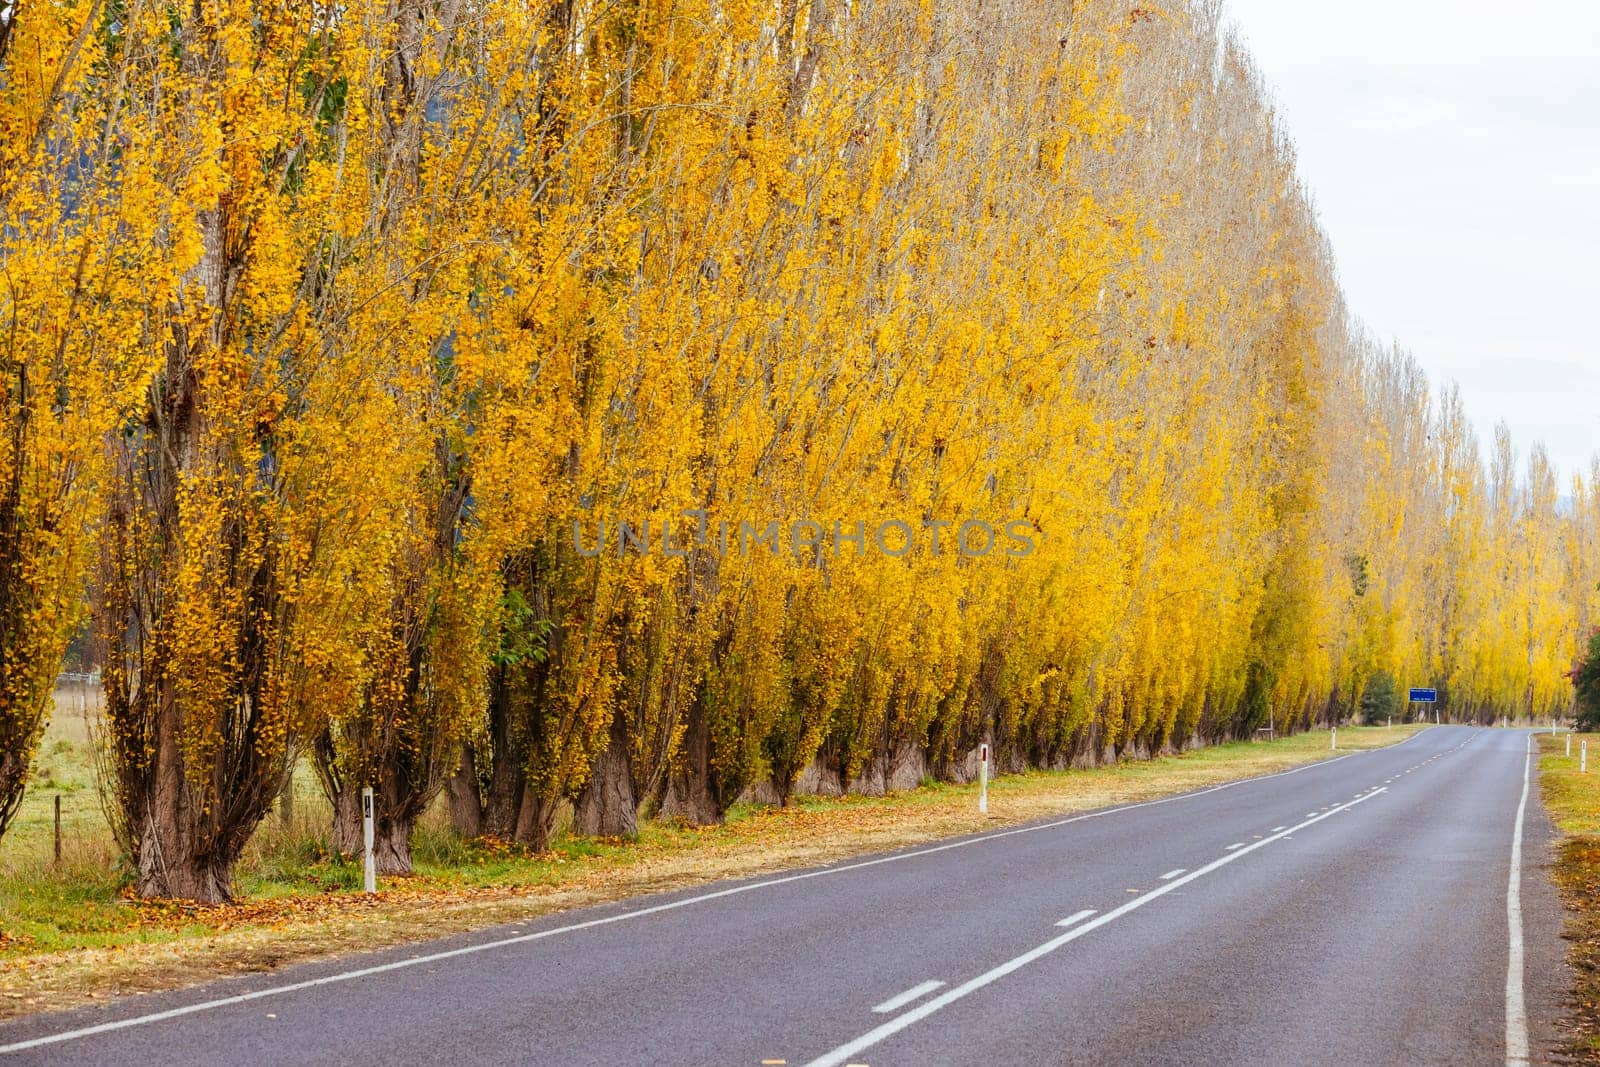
x: 983, y: 778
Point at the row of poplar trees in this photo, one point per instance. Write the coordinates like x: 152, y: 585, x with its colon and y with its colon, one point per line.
x: 323, y: 324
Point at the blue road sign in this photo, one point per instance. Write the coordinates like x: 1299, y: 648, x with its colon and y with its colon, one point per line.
x: 1424, y: 696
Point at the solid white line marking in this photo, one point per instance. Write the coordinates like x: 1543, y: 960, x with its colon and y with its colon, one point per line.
x: 893, y: 1026
x: 1076, y: 917
x: 539, y: 935
x: 1516, y: 1010
x: 920, y: 990
x: 1173, y: 873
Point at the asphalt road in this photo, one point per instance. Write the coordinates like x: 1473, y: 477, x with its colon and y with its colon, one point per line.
x: 1352, y: 912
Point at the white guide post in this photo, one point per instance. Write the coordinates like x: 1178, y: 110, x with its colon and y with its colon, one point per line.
x: 983, y: 778
x: 1569, y: 744
x: 371, y: 868
x: 1583, y: 756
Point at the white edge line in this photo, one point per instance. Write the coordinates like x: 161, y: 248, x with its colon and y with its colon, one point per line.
x: 1076, y: 917
x: 395, y: 965
x: 901, y: 1000
x: 893, y: 1026
x: 1516, y: 1009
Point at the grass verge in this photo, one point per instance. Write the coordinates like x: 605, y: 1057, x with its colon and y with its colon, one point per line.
x: 1572, y: 797
x: 69, y: 934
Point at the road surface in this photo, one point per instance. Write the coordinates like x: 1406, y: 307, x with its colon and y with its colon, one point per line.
x: 1365, y: 910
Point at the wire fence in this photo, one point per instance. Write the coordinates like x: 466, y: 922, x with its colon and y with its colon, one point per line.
x: 60, y: 817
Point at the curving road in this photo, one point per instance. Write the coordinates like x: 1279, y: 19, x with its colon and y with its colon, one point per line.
x: 1363, y: 910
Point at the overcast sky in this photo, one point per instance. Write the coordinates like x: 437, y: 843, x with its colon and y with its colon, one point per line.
x: 1453, y: 149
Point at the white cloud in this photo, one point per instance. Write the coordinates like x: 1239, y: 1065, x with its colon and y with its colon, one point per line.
x: 1415, y: 33
x: 1400, y: 113
x: 1453, y: 149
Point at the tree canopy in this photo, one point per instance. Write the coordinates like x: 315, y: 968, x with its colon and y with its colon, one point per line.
x: 588, y: 407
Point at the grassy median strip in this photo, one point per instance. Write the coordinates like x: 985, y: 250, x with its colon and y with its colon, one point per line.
x: 69, y: 933
x: 1573, y: 799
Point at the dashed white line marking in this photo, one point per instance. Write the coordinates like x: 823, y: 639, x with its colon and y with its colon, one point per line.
x: 1236, y: 844
x: 538, y: 935
x: 1173, y: 874
x: 842, y: 1054
x: 921, y: 989
x: 1276, y: 829
x: 1076, y: 917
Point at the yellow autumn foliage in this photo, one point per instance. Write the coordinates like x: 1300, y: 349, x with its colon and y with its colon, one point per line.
x: 657, y: 403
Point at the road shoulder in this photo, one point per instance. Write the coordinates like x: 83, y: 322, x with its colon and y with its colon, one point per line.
x: 167, y: 946
x: 1570, y: 810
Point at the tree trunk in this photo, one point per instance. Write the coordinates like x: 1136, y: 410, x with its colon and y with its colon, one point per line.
x: 13, y: 779
x: 501, y: 799
x: 173, y: 860
x: 286, y: 798
x: 190, y: 878
x: 466, y: 806
x: 391, y: 832
x: 185, y: 851
x: 608, y: 805
x: 536, y: 820
x: 502, y: 807
x: 690, y: 792
x: 512, y: 811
